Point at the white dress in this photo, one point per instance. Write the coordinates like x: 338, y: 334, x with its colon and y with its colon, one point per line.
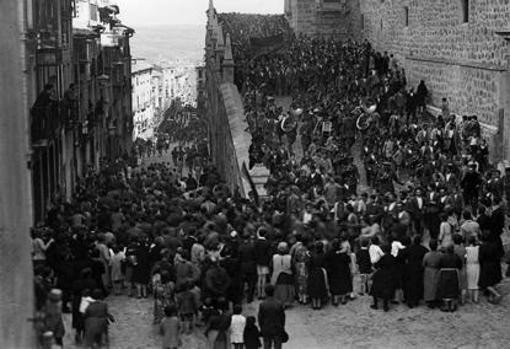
x: 237, y: 329
x: 472, y: 267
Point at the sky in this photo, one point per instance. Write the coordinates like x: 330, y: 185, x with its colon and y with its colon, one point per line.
x: 167, y: 12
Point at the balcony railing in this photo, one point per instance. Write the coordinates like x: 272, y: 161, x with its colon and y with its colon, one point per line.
x: 46, y: 122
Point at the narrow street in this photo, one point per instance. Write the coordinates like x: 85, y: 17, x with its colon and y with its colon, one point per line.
x: 354, y: 325
x: 133, y: 328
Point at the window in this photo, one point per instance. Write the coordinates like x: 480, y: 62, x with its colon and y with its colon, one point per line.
x: 381, y: 24
x: 465, y: 10
x: 406, y: 16
x: 362, y: 21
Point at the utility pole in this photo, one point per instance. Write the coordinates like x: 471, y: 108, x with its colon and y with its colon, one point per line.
x: 16, y: 274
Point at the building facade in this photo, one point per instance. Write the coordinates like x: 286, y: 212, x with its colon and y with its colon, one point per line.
x: 154, y: 88
x: 16, y: 269
x: 78, y: 82
x: 143, y: 109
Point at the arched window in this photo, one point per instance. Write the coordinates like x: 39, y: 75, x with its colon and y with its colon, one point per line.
x: 464, y: 4
x: 406, y: 16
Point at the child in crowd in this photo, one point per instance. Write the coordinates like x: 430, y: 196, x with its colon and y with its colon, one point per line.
x: 251, y: 334
x: 187, y: 306
x: 237, y: 326
x: 170, y: 329
x: 473, y: 268
x: 364, y: 266
x: 116, y: 269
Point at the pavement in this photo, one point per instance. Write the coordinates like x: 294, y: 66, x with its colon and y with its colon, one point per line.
x: 353, y: 325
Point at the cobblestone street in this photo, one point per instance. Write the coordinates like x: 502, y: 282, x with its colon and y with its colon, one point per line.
x: 133, y: 328
x: 354, y: 325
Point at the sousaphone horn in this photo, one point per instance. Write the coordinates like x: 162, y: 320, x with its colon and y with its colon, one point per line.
x: 364, y: 120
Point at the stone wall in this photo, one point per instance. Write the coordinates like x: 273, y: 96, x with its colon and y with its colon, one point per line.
x: 319, y: 17
x: 465, y: 62
x: 228, y: 137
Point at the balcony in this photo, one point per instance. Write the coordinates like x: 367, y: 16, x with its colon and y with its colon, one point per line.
x: 46, y: 122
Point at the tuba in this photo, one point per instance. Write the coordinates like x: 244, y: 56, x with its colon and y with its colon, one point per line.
x: 365, y: 119
x: 288, y: 124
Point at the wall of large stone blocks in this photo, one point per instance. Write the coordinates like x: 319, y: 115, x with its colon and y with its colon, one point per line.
x: 436, y: 30
x: 301, y: 16
x: 466, y: 62
x: 309, y: 17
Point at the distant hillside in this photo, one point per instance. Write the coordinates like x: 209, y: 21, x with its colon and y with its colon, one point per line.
x: 183, y: 44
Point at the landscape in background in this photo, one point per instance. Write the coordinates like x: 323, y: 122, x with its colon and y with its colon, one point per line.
x: 165, y: 59
x: 175, y: 44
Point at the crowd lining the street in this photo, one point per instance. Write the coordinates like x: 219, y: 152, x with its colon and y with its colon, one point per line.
x: 427, y: 227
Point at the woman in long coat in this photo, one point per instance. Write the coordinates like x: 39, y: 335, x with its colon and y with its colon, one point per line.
x: 339, y: 273
x: 282, y: 277
x: 448, y: 285
x: 141, y: 270
x: 490, y: 267
x: 383, y: 286
x: 317, y: 283
x: 413, y: 275
x: 431, y: 263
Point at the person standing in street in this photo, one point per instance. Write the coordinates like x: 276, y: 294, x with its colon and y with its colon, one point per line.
x: 271, y: 317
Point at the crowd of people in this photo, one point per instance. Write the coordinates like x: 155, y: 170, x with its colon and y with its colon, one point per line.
x: 427, y: 225
x: 426, y: 228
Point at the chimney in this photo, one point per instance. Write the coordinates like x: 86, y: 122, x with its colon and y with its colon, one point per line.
x: 228, y: 62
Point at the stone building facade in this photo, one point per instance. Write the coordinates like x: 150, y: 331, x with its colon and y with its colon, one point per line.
x: 458, y: 47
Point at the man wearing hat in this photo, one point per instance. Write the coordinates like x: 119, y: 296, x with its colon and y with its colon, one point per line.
x: 470, y: 185
x: 416, y: 208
